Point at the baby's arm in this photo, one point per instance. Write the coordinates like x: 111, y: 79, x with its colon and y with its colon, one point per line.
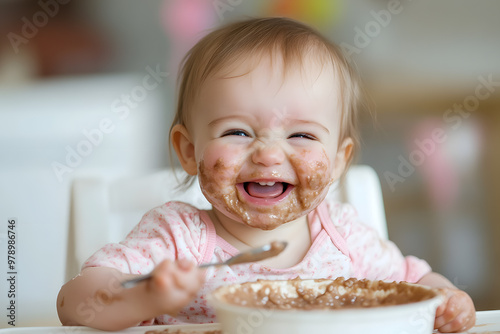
x: 96, y: 299
x: 457, y: 312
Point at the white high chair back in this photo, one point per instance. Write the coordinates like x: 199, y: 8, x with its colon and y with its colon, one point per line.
x: 104, y: 212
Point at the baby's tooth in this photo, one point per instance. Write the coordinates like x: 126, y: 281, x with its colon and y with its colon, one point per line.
x: 267, y: 183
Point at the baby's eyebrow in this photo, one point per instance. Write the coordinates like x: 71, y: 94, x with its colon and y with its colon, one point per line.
x: 245, y: 118
x: 304, y: 121
x: 230, y: 117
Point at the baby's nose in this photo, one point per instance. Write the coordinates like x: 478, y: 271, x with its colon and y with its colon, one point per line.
x: 268, y: 154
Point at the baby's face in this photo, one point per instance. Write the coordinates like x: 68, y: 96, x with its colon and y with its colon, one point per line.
x: 266, y: 145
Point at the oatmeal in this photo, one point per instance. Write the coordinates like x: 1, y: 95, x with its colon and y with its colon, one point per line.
x: 323, y: 294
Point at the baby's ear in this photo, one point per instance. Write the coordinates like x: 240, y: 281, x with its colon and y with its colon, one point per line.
x: 183, y: 146
x: 344, y: 153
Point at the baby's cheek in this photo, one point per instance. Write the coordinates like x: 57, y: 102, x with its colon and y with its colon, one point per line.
x: 317, y: 175
x: 220, y: 161
x: 314, y: 169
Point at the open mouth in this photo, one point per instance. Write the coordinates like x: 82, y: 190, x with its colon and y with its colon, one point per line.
x: 265, y: 189
x: 263, y: 192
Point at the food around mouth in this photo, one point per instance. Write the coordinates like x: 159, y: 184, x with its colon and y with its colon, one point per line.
x: 264, y: 200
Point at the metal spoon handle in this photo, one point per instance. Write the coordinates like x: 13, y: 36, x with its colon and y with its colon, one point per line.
x: 216, y: 264
x: 134, y: 281
x: 252, y: 255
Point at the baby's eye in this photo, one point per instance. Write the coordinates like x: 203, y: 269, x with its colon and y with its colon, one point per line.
x: 235, y: 133
x: 303, y: 135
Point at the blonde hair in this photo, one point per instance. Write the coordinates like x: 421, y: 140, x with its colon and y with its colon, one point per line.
x: 292, y: 40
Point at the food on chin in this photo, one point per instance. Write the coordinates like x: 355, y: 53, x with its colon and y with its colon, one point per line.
x: 322, y: 294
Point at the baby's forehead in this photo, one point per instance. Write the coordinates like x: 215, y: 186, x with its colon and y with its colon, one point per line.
x: 308, y: 66
x: 266, y: 83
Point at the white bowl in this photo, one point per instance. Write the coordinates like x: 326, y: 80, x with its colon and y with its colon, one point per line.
x: 415, y: 317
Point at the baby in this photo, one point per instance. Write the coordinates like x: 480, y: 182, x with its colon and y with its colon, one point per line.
x: 266, y: 118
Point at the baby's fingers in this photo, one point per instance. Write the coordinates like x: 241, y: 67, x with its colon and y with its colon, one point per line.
x: 457, y: 313
x: 188, y: 277
x: 173, y: 285
x: 182, y: 274
x: 449, y: 312
x: 162, y: 276
x: 442, y: 307
x: 461, y: 323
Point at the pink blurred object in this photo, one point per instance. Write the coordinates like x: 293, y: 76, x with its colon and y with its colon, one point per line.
x: 453, y: 160
x: 186, y: 19
x: 438, y: 169
x: 185, y: 22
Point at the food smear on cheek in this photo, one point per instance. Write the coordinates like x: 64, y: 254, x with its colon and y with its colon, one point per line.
x: 220, y: 189
x: 314, y: 182
x: 218, y: 185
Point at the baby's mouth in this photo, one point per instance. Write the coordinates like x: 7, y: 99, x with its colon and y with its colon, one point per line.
x: 265, y: 189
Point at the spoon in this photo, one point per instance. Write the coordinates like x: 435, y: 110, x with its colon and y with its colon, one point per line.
x: 251, y: 255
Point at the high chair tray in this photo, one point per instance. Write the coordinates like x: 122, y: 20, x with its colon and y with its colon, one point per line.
x: 486, y: 322
x: 133, y: 330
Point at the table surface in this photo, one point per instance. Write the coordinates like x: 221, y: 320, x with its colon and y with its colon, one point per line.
x: 486, y: 322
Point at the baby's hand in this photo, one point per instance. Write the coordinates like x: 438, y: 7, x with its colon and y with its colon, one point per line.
x: 456, y: 313
x: 173, y: 285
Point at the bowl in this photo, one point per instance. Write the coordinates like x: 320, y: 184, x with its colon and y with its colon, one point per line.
x: 325, y: 306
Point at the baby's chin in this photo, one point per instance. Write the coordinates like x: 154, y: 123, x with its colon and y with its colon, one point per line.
x: 266, y: 221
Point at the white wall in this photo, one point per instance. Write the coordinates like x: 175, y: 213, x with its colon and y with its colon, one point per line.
x: 37, y: 125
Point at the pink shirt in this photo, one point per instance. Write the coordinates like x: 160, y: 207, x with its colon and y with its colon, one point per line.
x: 341, y: 246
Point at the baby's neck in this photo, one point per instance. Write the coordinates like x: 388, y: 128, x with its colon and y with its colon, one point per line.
x: 243, y: 237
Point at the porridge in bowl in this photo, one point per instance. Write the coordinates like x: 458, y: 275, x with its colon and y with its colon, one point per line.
x: 326, y: 306
x: 323, y: 294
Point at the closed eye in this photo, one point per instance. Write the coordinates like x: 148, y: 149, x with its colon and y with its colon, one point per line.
x: 241, y: 133
x: 303, y: 135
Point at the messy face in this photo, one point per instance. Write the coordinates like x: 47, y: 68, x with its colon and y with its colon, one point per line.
x: 265, y: 143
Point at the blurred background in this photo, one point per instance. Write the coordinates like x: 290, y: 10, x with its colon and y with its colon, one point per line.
x: 88, y: 88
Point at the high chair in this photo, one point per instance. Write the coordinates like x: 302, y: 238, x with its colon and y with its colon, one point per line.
x: 104, y: 212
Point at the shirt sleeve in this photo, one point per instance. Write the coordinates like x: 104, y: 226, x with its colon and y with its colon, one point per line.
x: 172, y: 231
x: 374, y: 257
